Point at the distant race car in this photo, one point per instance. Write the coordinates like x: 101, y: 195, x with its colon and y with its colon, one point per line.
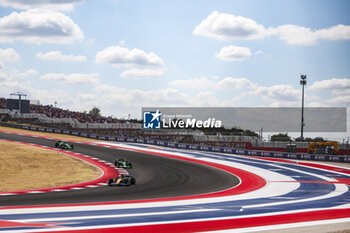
x: 64, y: 145
x: 122, y: 180
x: 122, y: 163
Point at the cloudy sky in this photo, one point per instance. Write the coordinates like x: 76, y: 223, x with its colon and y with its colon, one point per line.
x: 121, y: 55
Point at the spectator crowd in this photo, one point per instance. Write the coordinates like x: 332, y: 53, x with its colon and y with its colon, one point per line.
x: 82, y: 117
x: 54, y: 112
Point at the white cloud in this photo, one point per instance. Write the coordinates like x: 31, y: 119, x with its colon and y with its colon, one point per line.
x: 234, y: 83
x: 23, y: 75
x: 207, y: 99
x: 63, y: 99
x: 9, y: 55
x: 86, y: 101
x: 83, y: 97
x: 16, y: 76
x: 3, y: 77
x: 39, y: 26
x: 56, y: 5
x: 194, y: 83
x: 120, y: 56
x: 139, y: 73
x: 58, y: 56
x: 234, y: 53
x: 90, y: 41
x: 226, y: 27
x: 281, y: 93
x: 283, y: 104
x: 340, y: 100
x: 315, y: 104
x: 122, y: 43
x: 75, y: 78
x: 296, y: 35
x: 122, y: 98
x: 335, y: 85
x: 214, y: 83
x: 338, y: 32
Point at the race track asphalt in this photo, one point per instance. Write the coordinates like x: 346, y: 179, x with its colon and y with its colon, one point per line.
x: 156, y: 177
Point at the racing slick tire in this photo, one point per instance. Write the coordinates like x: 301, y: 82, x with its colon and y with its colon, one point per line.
x: 110, y: 182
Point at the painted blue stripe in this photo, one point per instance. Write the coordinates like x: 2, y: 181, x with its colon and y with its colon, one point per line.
x: 227, y: 211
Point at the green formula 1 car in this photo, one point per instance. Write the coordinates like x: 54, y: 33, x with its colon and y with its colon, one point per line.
x: 123, y: 163
x: 64, y: 145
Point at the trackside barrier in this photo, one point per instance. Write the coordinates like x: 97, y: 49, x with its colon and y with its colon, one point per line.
x: 285, y: 155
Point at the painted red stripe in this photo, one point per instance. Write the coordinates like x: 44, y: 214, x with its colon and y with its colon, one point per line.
x: 339, y: 181
x: 227, y: 224
x: 344, y: 181
x: 315, y: 165
x: 10, y: 224
x: 326, y: 167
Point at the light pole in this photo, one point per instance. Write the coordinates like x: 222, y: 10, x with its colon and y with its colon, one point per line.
x: 302, y: 83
